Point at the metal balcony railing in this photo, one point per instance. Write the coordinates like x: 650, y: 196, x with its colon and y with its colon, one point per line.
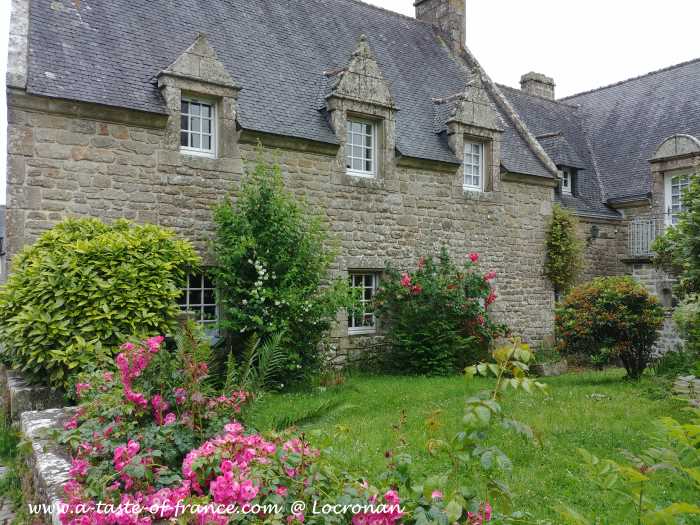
x: 642, y: 233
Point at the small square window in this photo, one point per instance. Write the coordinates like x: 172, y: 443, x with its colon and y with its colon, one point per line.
x: 198, y: 128
x: 199, y: 298
x: 362, y: 319
x: 361, y: 148
x: 567, y: 180
x: 473, y: 166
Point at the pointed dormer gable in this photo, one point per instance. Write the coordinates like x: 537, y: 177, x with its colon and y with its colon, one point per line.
x: 199, y: 63
x: 473, y: 107
x: 362, y: 79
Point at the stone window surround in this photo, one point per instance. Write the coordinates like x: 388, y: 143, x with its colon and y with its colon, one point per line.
x: 668, y: 192
x: 224, y: 99
x: 457, y: 135
x: 339, y: 109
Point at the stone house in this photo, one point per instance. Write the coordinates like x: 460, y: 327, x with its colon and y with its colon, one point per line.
x: 386, y: 124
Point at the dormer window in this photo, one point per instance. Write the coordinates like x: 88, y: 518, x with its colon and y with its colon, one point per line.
x: 567, y: 180
x: 473, y: 166
x: 198, y: 128
x: 361, y: 148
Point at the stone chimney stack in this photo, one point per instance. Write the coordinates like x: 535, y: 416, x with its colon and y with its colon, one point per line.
x: 537, y: 84
x: 448, y: 16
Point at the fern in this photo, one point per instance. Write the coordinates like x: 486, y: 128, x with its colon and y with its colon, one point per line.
x: 258, y: 366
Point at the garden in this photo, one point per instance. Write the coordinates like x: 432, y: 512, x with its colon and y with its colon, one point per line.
x: 246, y: 419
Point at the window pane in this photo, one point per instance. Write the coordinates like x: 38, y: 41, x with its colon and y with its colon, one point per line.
x: 195, y: 108
x: 185, y: 107
x: 357, y: 164
x: 196, y: 296
x: 206, y: 110
x: 209, y: 313
x: 184, y: 138
x: 368, y: 166
x: 206, y: 142
x: 357, y: 152
x: 196, y: 143
x: 195, y: 123
x: 184, y: 122
x: 206, y: 126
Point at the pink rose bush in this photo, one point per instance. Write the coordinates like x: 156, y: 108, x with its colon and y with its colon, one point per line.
x: 437, y: 316
x: 152, y: 442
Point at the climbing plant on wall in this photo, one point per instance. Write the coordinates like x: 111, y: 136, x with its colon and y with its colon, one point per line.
x: 564, y: 250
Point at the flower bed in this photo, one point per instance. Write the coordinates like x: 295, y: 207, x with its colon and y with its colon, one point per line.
x: 153, y: 441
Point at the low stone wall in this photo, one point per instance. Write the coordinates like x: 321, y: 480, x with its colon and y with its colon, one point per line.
x: 19, y: 396
x: 48, y: 463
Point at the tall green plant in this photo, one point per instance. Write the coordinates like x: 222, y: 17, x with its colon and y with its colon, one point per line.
x: 564, y: 250
x: 82, y: 287
x: 272, y: 260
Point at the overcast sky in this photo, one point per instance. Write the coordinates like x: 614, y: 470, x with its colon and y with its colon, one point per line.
x: 582, y: 44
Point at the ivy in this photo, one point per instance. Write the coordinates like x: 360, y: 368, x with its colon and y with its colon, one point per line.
x: 564, y: 250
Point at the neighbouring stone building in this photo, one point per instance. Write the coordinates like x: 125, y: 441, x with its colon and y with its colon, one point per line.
x: 387, y: 124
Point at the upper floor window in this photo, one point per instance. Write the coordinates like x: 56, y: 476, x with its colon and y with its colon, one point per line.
x: 675, y: 186
x: 199, y: 299
x: 198, y: 127
x: 362, y: 320
x: 361, y: 148
x: 567, y: 180
x: 473, y: 166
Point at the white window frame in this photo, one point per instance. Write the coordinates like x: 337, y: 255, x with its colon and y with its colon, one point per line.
x: 191, y: 150
x: 210, y: 325
x: 671, y: 210
x: 363, y: 330
x: 374, y: 127
x: 567, y: 181
x: 468, y: 162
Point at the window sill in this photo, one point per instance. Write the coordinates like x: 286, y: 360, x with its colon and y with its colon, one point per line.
x: 362, y: 331
x: 472, y: 189
x: 361, y: 174
x: 195, y: 153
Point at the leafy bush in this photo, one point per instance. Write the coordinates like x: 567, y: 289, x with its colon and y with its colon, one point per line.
x: 82, y: 287
x: 613, y: 315
x: 272, y: 258
x: 436, y: 318
x: 564, y: 251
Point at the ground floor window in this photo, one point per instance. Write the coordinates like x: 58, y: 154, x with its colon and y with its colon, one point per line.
x: 675, y: 186
x: 361, y: 319
x: 199, y: 298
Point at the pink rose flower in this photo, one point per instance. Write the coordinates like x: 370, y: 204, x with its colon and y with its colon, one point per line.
x: 474, y: 257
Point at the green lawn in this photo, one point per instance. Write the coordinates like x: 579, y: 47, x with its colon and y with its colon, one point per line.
x: 593, y: 410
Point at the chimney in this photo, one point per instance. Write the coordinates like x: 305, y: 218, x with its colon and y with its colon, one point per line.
x: 537, y: 84
x: 448, y: 16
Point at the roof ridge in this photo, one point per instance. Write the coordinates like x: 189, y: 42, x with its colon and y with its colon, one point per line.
x: 539, y: 97
x: 631, y: 79
x: 387, y: 11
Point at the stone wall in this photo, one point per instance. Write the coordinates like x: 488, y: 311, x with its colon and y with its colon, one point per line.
x: 604, y: 248
x: 115, y: 166
x: 68, y: 159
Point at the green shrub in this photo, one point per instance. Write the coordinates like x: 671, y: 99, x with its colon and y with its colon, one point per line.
x: 272, y: 258
x: 564, y: 251
x: 687, y: 318
x: 436, y: 318
x: 610, y: 315
x: 81, y: 288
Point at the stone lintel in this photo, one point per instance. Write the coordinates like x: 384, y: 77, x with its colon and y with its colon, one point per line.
x: 529, y: 179
x: 271, y: 140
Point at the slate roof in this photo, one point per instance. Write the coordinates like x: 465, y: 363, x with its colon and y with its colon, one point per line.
x: 109, y: 52
x: 627, y: 121
x: 559, y: 130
